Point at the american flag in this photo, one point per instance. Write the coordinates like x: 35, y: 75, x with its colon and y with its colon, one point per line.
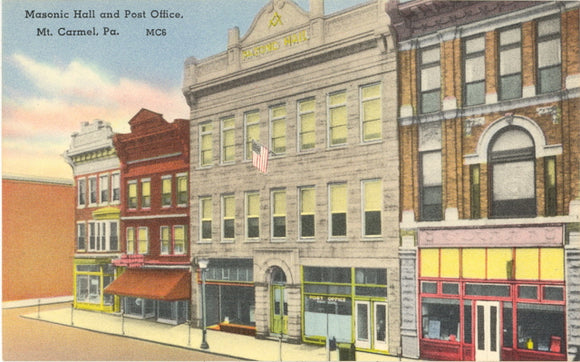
x: 260, y: 156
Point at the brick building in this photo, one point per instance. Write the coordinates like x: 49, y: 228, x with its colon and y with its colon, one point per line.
x: 154, y: 213
x: 308, y: 249
x: 97, y: 180
x: 488, y: 126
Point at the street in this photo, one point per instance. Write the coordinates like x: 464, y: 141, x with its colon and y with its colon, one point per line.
x: 32, y: 340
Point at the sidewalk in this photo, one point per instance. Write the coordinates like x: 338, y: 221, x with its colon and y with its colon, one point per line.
x: 220, y: 343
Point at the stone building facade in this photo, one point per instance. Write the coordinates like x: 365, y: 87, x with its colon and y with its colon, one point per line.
x: 488, y: 125
x: 309, y: 249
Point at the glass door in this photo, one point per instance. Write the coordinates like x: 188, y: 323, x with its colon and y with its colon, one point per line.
x: 380, y: 326
x: 487, y: 340
x: 279, y: 313
x: 362, y: 324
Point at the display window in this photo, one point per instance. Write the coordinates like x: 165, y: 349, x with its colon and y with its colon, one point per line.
x: 90, y: 280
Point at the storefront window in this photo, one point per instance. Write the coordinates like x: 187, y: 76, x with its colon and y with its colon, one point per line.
x: 467, y: 322
x: 541, y: 327
x: 230, y: 304
x: 323, y: 311
x: 508, y: 325
x: 139, y: 307
x: 440, y: 319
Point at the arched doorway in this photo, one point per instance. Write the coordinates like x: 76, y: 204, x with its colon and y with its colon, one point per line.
x: 278, y: 301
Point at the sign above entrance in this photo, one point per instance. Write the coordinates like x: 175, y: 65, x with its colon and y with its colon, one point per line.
x: 130, y: 260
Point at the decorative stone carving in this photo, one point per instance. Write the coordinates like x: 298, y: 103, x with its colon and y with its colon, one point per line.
x: 473, y: 122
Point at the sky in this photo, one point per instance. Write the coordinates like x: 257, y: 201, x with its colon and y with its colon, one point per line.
x: 53, y: 83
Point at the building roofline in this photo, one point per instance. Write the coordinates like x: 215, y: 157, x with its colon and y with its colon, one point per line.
x: 38, y: 179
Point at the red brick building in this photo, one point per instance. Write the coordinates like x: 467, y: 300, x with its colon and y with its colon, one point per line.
x: 154, y: 219
x: 489, y: 130
x: 37, y: 239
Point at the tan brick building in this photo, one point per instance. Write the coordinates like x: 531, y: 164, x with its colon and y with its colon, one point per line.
x: 489, y: 143
x: 310, y: 248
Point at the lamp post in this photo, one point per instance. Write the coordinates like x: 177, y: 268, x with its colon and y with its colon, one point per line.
x: 202, y: 263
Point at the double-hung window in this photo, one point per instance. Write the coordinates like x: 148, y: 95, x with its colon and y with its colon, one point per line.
x: 228, y: 139
x: 510, y: 63
x: 104, y: 188
x: 550, y: 185
x: 370, y: 96
x: 307, y: 212
x: 206, y: 144
x: 116, y: 187
x: 205, y: 205
x: 103, y: 235
x: 252, y: 131
x: 166, y: 192
x: 143, y: 240
x: 146, y: 193
x: 337, y: 119
x: 430, y: 79
x: 372, y: 205
x: 338, y: 208
x: 164, y: 239
x: 228, y: 215
x: 82, y: 192
x: 81, y: 235
x: 92, y: 190
x: 252, y: 215
x: 182, y: 194
x: 113, y: 235
x: 278, y: 128
x: 549, y: 55
x: 130, y: 238
x: 307, y: 123
x: 132, y: 195
x: 179, y: 239
x: 474, y: 70
x: 279, y: 213
x: 431, y: 186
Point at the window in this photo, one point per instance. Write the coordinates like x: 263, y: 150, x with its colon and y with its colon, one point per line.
x: 82, y: 191
x: 550, y: 185
x: 103, y: 236
x: 475, y: 192
x: 182, y: 196
x: 81, y: 236
x: 510, y: 63
x: 372, y: 205
x: 143, y: 240
x: 307, y: 212
x: 166, y: 191
x: 430, y: 79
x: 145, y: 193
x: 252, y: 215
x: 279, y: 213
x: 116, y: 187
x: 206, y: 144
x: 164, y: 240
x: 206, y: 217
x: 540, y: 327
x: 338, y: 210
x: 104, y: 187
x: 337, y: 118
x: 229, y: 212
x: 228, y: 140
x: 113, y: 235
x: 92, y: 190
x: 431, y: 188
x: 252, y: 131
x: 130, y: 232
x: 512, y: 172
x: 371, y: 112
x: 440, y: 318
x: 549, y: 55
x: 179, y: 245
x: 474, y: 70
x: 278, y: 129
x: 132, y: 195
x: 307, y: 124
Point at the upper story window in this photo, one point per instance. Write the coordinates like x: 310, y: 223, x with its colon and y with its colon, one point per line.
x: 338, y: 197
x: 278, y: 129
x: 474, y: 70
x: 372, y: 206
x: 549, y: 55
x: 143, y: 240
x: 431, y: 186
x: 206, y: 215
x: 182, y: 194
x: 279, y: 213
x: 103, y: 235
x: 92, y: 190
x: 430, y: 79
x: 307, y: 212
x: 179, y: 240
x: 130, y: 239
x: 145, y: 193
x: 370, y: 97
x: 512, y: 174
x: 252, y: 215
x: 228, y: 214
x: 337, y: 119
x: 306, y: 124
x: 172, y: 243
x: 81, y: 192
x: 164, y: 240
x: 81, y: 235
x: 104, y: 188
x: 116, y: 187
x: 206, y: 144
x: 166, y: 190
x: 510, y: 63
x: 252, y: 132
x: 132, y: 194
x: 228, y: 139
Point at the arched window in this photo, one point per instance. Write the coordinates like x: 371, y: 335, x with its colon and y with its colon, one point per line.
x: 512, y: 174
x: 278, y: 276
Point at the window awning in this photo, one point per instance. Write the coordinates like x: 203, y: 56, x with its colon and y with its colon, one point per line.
x: 157, y: 284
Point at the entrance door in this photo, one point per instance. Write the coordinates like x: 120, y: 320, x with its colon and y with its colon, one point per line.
x: 279, y: 320
x: 487, y: 340
x: 380, y: 326
x: 362, y: 324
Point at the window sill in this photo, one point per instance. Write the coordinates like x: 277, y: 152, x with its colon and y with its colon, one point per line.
x: 227, y: 241
x: 252, y: 241
x: 372, y: 238
x: 278, y: 240
x: 337, y: 240
x: 306, y: 240
x: 204, y: 242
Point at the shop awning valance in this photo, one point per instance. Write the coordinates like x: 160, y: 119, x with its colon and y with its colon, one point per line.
x: 169, y: 285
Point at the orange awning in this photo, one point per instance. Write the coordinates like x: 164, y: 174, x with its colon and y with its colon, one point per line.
x: 157, y: 284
